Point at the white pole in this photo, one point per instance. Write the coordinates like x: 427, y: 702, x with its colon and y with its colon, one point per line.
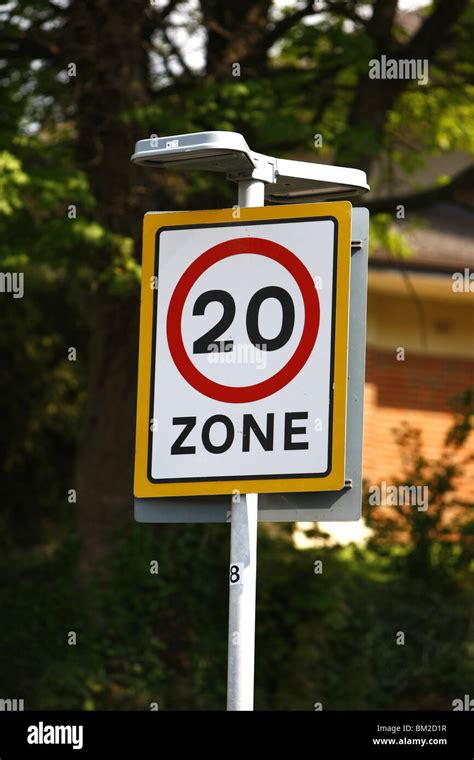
x: 243, y: 580
x: 251, y: 192
x: 243, y: 560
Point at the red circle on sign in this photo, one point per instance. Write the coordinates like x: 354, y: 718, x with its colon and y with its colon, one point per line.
x: 246, y: 393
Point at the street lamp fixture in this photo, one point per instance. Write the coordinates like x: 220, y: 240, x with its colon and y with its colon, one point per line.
x: 285, y: 181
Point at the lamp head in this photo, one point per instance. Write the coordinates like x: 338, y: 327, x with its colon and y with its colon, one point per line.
x: 285, y: 181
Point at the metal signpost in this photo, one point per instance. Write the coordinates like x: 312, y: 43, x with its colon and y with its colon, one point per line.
x: 245, y: 377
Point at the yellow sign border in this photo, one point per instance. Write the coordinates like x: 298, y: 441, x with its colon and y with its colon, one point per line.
x: 335, y: 480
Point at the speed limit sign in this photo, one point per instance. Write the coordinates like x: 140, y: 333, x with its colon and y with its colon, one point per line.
x: 243, y: 351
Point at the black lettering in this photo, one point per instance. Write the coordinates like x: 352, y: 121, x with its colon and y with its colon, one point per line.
x: 290, y: 431
x: 208, y: 342
x: 189, y: 423
x: 287, y: 322
x: 206, y: 428
x: 265, y: 439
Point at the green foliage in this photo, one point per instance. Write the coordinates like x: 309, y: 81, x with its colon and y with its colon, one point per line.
x: 442, y: 532
x: 431, y: 119
x: 41, y: 408
x: 143, y: 638
x: 12, y: 179
x: 327, y: 637
x: 384, y: 236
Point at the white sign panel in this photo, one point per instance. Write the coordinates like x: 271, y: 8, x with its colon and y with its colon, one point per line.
x: 247, y: 352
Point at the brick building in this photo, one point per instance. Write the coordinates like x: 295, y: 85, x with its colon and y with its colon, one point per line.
x: 420, y: 338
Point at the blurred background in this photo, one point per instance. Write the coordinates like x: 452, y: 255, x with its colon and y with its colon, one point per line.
x: 85, y: 624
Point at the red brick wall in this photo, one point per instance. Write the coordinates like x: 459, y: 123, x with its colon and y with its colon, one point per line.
x: 416, y: 390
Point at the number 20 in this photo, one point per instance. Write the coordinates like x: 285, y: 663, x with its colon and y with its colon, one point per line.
x: 208, y: 342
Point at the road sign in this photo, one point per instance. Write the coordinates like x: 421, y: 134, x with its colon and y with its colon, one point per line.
x: 310, y: 506
x: 243, y: 351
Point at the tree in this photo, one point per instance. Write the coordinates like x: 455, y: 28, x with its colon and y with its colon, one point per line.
x: 85, y: 79
x: 441, y: 525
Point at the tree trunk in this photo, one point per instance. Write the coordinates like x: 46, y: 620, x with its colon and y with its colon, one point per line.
x: 110, y: 43
x: 107, y: 42
x: 104, y: 479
